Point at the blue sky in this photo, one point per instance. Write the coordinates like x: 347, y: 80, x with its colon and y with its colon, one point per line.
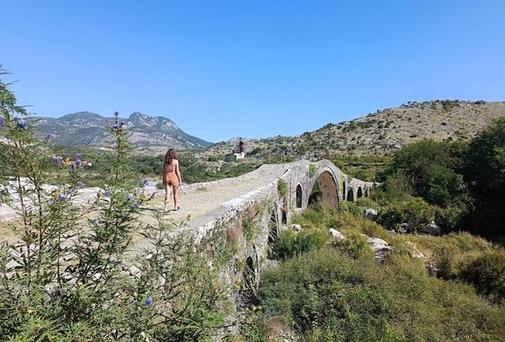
x: 250, y: 68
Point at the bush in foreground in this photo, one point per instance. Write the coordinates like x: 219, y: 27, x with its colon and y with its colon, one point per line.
x: 326, y: 295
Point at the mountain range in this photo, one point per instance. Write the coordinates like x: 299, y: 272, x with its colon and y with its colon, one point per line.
x: 149, y: 134
x: 378, y: 133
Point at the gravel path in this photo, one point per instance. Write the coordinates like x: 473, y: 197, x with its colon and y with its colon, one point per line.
x: 202, y: 201
x: 199, y: 202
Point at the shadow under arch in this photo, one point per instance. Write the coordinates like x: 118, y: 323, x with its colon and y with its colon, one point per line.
x: 325, y: 189
x: 350, y: 195
x: 299, y: 196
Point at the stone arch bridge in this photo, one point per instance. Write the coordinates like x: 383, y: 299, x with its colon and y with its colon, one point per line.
x: 247, y: 212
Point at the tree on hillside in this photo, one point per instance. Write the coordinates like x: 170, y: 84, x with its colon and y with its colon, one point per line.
x: 432, y: 169
x: 485, y: 172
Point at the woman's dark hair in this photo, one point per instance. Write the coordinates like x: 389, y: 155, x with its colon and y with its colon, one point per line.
x: 169, y: 156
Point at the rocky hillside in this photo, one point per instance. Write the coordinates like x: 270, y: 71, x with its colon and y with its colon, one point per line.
x: 147, y: 133
x: 379, y: 133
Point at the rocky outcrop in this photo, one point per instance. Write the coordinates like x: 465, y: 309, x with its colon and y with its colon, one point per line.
x: 370, y: 213
x: 336, y: 234
x: 432, y: 229
x: 379, y: 247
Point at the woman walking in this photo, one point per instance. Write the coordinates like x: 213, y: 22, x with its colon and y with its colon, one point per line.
x: 171, y: 176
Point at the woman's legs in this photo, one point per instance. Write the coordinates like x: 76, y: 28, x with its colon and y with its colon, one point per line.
x: 166, y: 196
x: 175, y: 192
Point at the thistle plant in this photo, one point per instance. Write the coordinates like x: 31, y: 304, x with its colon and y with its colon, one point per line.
x: 73, y: 271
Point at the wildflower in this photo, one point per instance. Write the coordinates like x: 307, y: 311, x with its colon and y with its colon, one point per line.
x: 61, y: 197
x: 21, y: 124
x: 78, y: 163
x: 149, y: 301
x: 79, y: 184
x: 145, y: 182
x: 57, y: 160
x: 2, y: 122
x: 106, y: 194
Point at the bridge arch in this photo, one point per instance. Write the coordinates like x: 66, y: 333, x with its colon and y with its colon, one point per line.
x: 350, y: 195
x: 359, y: 193
x: 299, y: 196
x: 250, y: 276
x: 327, y: 183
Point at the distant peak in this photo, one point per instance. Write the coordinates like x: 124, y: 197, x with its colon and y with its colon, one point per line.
x: 138, y: 115
x: 82, y: 115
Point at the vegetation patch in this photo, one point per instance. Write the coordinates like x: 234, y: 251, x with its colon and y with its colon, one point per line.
x: 312, y: 170
x: 282, y: 188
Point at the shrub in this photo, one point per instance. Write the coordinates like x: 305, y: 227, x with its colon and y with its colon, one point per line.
x: 249, y: 229
x: 442, y: 184
x: 282, y: 187
x: 413, y: 211
x: 487, y: 274
x: 353, y: 208
x: 290, y: 244
x: 312, y: 170
x: 325, y: 295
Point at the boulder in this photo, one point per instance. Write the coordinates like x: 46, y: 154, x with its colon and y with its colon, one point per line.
x: 379, y: 247
x: 378, y: 244
x: 370, y: 213
x: 432, y: 229
x: 297, y: 227
x: 336, y: 234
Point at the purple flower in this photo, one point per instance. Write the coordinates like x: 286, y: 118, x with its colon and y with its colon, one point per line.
x: 2, y: 122
x: 145, y: 182
x: 61, y: 197
x: 57, y: 160
x: 79, y: 184
x: 21, y: 124
x: 78, y: 163
x: 148, y: 301
x: 106, y: 194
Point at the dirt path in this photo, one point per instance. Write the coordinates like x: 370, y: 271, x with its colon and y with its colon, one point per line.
x: 199, y: 202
